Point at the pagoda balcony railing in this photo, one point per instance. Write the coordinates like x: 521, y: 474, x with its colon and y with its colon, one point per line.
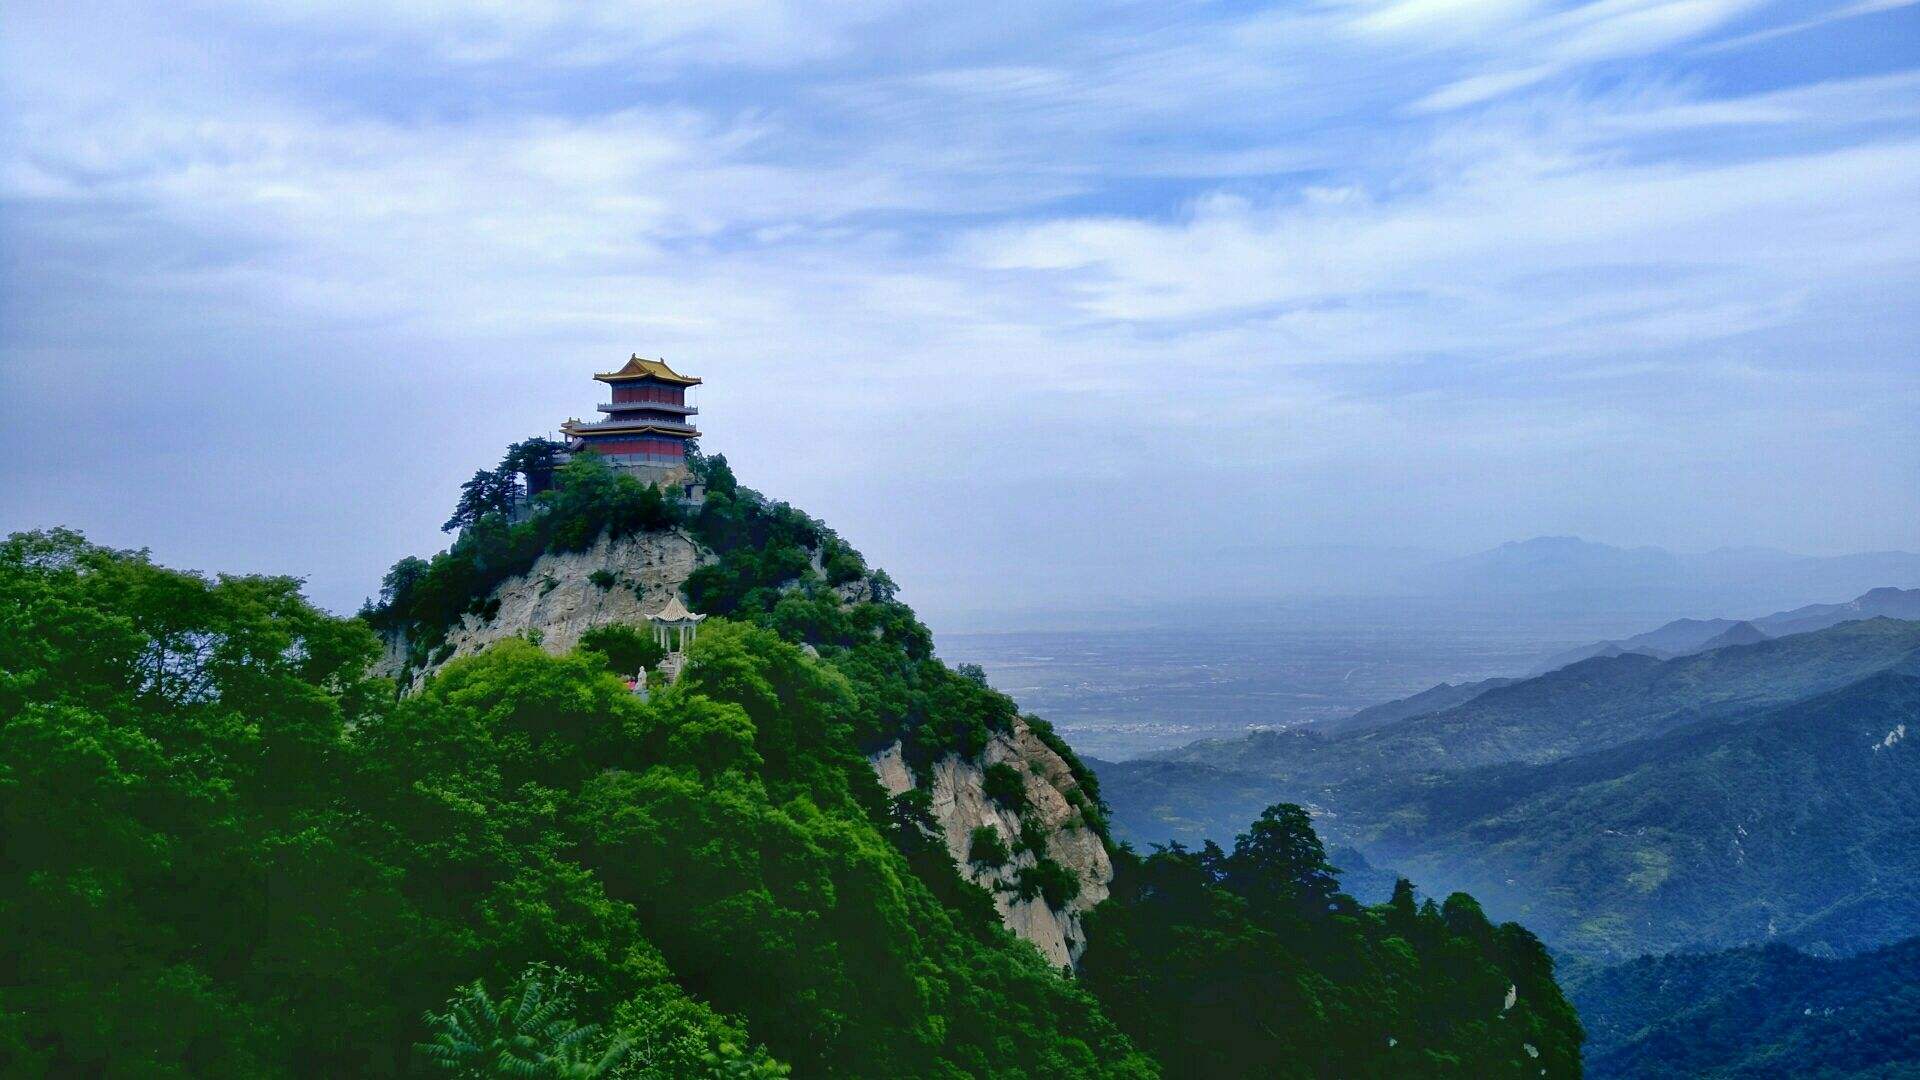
x: 657, y: 406
x: 617, y: 425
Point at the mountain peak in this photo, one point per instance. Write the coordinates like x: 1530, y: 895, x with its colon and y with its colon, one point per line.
x: 1740, y: 633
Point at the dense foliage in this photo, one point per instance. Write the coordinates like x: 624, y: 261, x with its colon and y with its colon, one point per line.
x: 229, y: 852
x: 528, y: 1032
x: 1252, y: 963
x: 627, y: 648
x: 525, y: 467
x: 775, y: 567
x: 1745, y: 1014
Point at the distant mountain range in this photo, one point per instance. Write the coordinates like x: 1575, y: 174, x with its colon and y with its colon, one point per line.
x: 1683, y: 636
x: 1571, y: 573
x: 1432, y: 700
x: 1620, y: 805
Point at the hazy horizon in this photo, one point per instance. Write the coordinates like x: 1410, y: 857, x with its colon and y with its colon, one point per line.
x: 1041, y: 309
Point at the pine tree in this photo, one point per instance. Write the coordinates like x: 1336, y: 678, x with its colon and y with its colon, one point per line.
x: 1403, y: 912
x: 1280, y: 859
x: 486, y: 493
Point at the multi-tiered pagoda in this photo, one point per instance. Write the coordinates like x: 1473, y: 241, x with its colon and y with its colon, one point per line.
x: 648, y: 422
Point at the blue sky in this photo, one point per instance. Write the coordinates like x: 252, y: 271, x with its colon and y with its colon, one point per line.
x: 1036, y: 304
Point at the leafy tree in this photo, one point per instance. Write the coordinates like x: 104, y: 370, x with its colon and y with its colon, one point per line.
x: 397, y: 587
x: 627, y: 648
x: 526, y: 1034
x: 1050, y: 880
x: 534, y: 459
x: 1280, y: 860
x: 844, y: 566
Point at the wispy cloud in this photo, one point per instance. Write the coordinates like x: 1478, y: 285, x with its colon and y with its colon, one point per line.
x: 1526, y: 52
x: 1847, y: 11
x: 1344, y: 247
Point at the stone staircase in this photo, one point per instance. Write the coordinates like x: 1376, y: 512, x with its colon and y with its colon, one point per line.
x: 672, y: 665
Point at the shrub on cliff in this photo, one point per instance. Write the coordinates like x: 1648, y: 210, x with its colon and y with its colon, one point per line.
x: 1048, y: 879
x: 1003, y: 784
x: 985, y: 848
x: 763, y: 572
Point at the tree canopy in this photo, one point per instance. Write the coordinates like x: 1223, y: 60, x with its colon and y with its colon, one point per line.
x: 230, y: 850
x: 1251, y: 963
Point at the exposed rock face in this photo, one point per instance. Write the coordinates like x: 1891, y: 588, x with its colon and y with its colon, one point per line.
x: 560, y: 598
x: 960, y: 805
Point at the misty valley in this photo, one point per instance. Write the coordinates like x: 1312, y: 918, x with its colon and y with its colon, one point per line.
x: 1716, y: 804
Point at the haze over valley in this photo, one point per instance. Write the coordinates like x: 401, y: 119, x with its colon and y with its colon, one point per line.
x: 1130, y: 679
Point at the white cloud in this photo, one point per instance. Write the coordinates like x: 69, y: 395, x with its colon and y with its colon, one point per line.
x: 988, y: 249
x: 1509, y: 246
x: 1530, y: 51
x: 1443, y: 16
x: 1478, y: 88
x: 728, y: 33
x: 1849, y: 11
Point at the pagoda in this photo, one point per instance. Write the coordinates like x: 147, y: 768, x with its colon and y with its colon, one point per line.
x: 648, y: 424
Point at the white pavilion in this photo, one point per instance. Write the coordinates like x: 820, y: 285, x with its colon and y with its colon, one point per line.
x: 674, y: 627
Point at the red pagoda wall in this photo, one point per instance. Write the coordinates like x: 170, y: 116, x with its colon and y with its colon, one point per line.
x: 654, y: 447
x: 667, y: 395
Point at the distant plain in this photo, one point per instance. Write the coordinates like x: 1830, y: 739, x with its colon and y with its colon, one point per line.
x: 1126, y: 692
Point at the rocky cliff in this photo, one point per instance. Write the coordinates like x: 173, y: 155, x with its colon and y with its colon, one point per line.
x: 566, y: 594
x: 961, y: 805
x: 624, y: 580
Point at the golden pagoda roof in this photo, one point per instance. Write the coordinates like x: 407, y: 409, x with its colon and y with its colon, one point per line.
x: 647, y: 369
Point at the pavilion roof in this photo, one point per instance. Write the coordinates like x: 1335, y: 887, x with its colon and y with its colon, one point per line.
x: 647, y: 369
x: 675, y: 612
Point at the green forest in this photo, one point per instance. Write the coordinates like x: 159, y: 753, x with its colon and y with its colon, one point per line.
x: 232, y: 850
x: 1760, y: 1011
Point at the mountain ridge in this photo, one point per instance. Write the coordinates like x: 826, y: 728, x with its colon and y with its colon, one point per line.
x: 1683, y: 636
x: 1752, y: 1012
x: 1598, y: 695
x: 1598, y: 801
